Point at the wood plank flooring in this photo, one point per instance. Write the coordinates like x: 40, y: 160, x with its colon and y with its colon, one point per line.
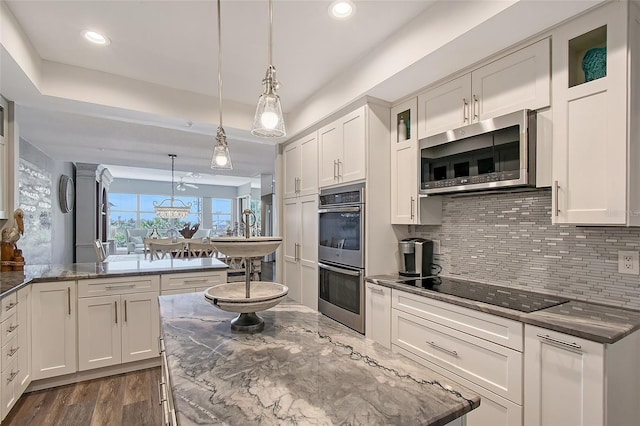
x: 125, y: 399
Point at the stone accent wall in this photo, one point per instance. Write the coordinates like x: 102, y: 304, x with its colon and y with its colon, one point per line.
x: 508, y: 239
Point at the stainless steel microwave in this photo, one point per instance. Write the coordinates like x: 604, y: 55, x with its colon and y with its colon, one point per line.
x: 491, y: 154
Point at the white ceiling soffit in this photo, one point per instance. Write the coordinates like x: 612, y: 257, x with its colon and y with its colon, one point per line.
x: 123, y: 172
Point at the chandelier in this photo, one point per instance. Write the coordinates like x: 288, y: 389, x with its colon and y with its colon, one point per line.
x: 171, y: 210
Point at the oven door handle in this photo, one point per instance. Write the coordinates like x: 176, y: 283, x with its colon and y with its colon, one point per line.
x: 339, y: 270
x: 340, y: 210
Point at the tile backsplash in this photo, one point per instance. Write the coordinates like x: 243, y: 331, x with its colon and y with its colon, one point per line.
x: 508, y: 239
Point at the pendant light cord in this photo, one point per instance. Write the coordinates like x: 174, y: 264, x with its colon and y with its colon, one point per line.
x: 220, y: 65
x: 270, y: 30
x: 173, y: 160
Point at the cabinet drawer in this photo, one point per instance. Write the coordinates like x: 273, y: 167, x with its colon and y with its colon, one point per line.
x: 494, y: 410
x: 491, y: 366
x: 9, y: 352
x: 9, y: 328
x: 191, y: 281
x: 9, y: 303
x: 124, y: 285
x: 495, y: 329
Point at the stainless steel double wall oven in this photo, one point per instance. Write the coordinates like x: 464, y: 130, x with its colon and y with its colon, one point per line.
x: 341, y: 255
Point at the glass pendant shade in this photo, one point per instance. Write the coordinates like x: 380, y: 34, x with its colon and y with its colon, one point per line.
x: 221, y: 158
x: 268, y: 121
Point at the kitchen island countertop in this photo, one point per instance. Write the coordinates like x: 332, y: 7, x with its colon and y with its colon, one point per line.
x: 13, y: 280
x: 303, y: 368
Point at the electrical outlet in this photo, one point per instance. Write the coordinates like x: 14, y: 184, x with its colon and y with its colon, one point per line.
x: 629, y: 262
x: 436, y: 246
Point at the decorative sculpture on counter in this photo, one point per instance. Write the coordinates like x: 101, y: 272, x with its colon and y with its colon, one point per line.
x: 11, y: 256
x: 188, y: 230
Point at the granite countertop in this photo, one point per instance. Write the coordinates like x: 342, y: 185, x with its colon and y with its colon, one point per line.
x: 303, y: 368
x: 13, y: 280
x: 591, y: 321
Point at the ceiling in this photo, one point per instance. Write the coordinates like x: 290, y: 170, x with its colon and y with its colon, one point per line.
x: 174, y: 44
x: 153, y: 90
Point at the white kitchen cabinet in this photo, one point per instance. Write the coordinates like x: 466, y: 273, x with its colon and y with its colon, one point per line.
x: 118, y: 320
x: 54, y: 324
x: 99, y: 335
x: 13, y: 329
x: 574, y: 381
x: 4, y: 161
x: 191, y: 282
x: 300, y: 249
x: 378, y: 314
x: 478, y: 350
x: 407, y: 207
x: 9, y: 329
x: 140, y: 326
x: 596, y: 178
x: 300, y: 170
x: 516, y: 81
x: 342, y: 149
x: 24, y: 340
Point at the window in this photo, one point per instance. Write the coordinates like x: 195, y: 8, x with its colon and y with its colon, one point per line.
x: 128, y: 211
x: 221, y: 209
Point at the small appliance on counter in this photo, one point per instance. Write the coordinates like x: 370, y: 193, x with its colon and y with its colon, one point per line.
x: 416, y: 257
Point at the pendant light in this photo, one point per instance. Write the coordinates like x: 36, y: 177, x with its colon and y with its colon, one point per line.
x: 268, y: 121
x: 221, y: 158
x: 171, y: 210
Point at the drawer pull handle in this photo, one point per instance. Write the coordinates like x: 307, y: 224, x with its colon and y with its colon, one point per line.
x: 115, y: 304
x: 10, y: 305
x: 11, y: 328
x: 560, y: 342
x: 556, y: 188
x: 12, y: 376
x: 204, y: 280
x: 69, y: 299
x: 440, y: 348
x: 377, y: 291
x: 12, y: 352
x: 125, y: 310
x: 115, y: 287
x: 160, y: 396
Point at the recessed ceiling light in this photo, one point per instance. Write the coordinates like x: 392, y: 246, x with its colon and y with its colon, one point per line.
x: 342, y: 9
x: 96, y: 38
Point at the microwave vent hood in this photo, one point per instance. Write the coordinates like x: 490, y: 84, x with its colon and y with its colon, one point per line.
x: 492, y: 154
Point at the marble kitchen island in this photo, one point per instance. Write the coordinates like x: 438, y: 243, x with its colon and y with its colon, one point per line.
x: 303, y: 368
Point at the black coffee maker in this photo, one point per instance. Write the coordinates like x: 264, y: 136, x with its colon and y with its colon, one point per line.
x: 416, y: 257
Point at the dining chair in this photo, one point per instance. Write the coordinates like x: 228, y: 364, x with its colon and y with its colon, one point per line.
x: 162, y: 247
x: 201, y: 249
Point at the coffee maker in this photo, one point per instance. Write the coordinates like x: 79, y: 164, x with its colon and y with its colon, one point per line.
x: 416, y: 257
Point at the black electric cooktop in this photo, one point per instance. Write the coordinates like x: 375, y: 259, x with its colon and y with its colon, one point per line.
x: 511, y: 298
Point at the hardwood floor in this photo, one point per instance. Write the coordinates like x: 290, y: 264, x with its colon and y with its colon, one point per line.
x: 125, y: 399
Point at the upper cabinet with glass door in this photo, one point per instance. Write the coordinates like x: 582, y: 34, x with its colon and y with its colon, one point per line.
x: 596, y: 76
x: 517, y: 81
